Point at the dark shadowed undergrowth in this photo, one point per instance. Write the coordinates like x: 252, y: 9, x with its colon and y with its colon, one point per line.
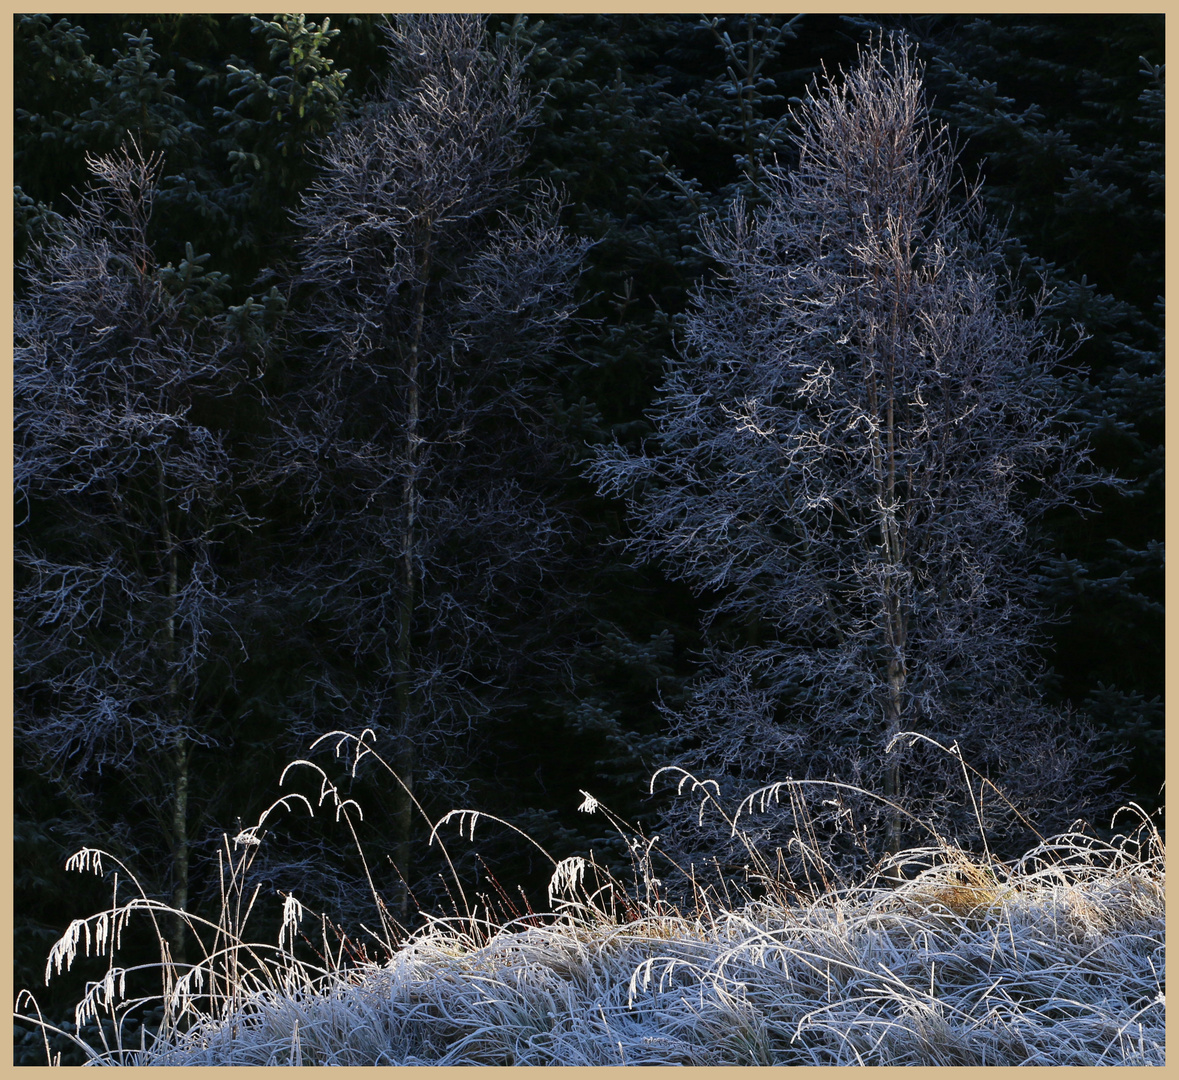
x: 1056, y: 958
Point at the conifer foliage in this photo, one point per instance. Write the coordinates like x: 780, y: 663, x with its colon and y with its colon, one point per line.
x: 312, y: 383
x: 1068, y: 114
x: 848, y: 453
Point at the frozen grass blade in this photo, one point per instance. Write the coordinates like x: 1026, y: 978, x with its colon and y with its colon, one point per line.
x: 1056, y: 959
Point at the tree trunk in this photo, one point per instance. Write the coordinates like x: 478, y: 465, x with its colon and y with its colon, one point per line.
x: 894, y: 613
x: 180, y: 846
x: 892, y: 775
x: 405, y: 757
x: 179, y: 751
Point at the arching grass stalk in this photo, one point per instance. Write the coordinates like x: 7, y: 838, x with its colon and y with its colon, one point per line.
x: 231, y: 971
x: 1054, y: 958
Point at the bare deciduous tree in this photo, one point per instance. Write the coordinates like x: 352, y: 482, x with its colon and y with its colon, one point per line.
x: 849, y: 451
x: 123, y: 497
x: 414, y: 436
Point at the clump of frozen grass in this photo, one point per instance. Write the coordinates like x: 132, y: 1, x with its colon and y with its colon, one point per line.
x: 1057, y: 959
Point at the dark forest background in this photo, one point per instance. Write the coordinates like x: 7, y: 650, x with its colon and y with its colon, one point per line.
x: 647, y: 125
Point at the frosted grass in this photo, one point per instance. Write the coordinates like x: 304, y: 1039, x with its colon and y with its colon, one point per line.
x: 1057, y: 959
x: 1052, y: 972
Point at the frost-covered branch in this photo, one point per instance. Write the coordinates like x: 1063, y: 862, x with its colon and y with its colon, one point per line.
x: 863, y: 422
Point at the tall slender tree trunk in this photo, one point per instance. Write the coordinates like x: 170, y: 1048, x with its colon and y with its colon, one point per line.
x: 892, y: 775
x: 180, y: 846
x: 178, y: 751
x: 405, y: 757
x: 895, y: 617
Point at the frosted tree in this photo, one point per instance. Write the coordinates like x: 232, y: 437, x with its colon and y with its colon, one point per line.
x: 125, y: 493
x: 863, y: 422
x: 414, y: 434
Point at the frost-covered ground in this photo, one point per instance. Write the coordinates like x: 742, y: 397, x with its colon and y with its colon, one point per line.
x: 1058, y: 960
x: 1055, y: 959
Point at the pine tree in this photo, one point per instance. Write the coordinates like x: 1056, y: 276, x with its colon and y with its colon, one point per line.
x: 1067, y: 114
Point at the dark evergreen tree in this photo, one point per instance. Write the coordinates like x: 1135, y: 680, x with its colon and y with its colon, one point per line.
x: 1066, y: 112
x: 235, y: 132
